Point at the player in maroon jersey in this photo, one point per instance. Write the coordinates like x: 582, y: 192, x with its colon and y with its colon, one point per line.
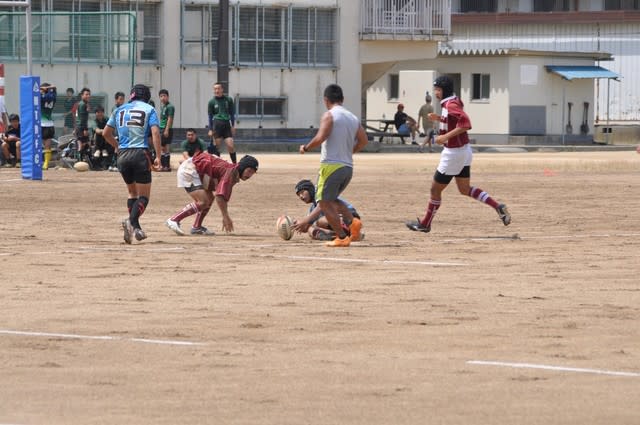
x: 206, y: 177
x: 456, y: 157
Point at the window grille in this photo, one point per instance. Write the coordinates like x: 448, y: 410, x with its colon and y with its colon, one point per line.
x: 60, y: 35
x: 261, y: 36
x: 261, y: 107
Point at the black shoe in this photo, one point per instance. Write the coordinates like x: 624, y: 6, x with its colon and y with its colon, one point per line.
x: 503, y: 212
x: 417, y: 227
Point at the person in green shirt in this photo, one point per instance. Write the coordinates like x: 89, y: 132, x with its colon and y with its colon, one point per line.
x: 167, y: 111
x: 192, y: 145
x: 82, y: 120
x: 48, y: 97
x: 69, y: 111
x: 222, y: 120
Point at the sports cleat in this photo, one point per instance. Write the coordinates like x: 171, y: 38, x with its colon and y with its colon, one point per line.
x: 337, y: 242
x: 201, y: 231
x: 139, y: 234
x: 319, y: 235
x: 128, y: 231
x: 503, y: 212
x: 105, y: 153
x: 175, y: 226
x: 97, y: 153
x: 354, y: 229
x: 416, y: 226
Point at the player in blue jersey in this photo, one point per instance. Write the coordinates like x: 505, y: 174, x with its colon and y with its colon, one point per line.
x: 133, y: 122
x: 315, y: 223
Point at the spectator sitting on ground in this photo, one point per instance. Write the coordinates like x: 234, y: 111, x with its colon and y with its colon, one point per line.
x: 11, y: 142
x: 103, y: 151
x: 405, y: 124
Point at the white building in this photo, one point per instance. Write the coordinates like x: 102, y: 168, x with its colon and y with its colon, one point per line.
x: 283, y: 54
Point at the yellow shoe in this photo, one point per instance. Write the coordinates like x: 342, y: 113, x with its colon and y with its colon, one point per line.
x: 337, y: 242
x: 47, y: 158
x: 354, y: 229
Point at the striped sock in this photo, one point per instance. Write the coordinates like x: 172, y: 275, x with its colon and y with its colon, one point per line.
x: 432, y: 208
x: 188, y: 210
x: 482, y: 196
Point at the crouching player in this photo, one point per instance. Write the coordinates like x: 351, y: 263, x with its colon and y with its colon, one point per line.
x: 206, y: 177
x: 315, y: 223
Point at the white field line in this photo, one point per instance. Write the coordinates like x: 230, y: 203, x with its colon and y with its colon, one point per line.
x: 100, y: 337
x: 546, y: 237
x: 556, y: 368
x: 86, y: 249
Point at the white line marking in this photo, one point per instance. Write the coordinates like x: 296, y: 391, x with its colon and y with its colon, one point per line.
x: 552, y: 237
x: 100, y: 337
x: 231, y: 254
x: 361, y: 260
x: 558, y: 368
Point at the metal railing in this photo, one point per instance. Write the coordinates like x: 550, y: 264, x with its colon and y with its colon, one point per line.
x: 405, y: 17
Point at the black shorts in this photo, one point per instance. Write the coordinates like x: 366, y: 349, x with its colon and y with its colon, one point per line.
x: 164, y: 141
x: 135, y: 165
x: 446, y: 179
x: 48, y: 133
x: 221, y: 129
x: 80, y: 134
x: 13, y: 148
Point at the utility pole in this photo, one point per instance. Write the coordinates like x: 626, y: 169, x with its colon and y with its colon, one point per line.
x: 223, y: 46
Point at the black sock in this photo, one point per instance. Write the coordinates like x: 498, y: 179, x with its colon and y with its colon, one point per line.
x: 233, y: 157
x: 130, y: 203
x: 137, y: 210
x: 213, y: 149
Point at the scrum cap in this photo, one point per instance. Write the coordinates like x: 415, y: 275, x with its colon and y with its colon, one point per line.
x: 446, y: 84
x: 306, y: 185
x: 140, y: 92
x: 247, y: 161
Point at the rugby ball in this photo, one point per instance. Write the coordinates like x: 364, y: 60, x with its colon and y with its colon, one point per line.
x: 81, y: 166
x: 283, y: 226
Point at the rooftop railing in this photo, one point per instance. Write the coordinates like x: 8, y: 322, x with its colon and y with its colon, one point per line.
x: 403, y: 19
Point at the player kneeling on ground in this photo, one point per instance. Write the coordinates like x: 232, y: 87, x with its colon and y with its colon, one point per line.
x: 206, y: 177
x: 315, y: 223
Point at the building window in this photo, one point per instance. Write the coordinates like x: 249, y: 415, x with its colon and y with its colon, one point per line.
x: 394, y: 86
x: 106, y: 37
x: 551, y: 5
x: 621, y: 4
x: 480, y: 86
x: 261, y: 36
x: 261, y: 107
x: 490, y: 6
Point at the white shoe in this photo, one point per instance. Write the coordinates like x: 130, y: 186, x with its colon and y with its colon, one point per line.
x: 175, y: 226
x: 105, y: 153
x: 97, y: 153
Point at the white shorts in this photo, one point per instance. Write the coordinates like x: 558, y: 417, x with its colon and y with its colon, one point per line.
x: 453, y: 160
x: 187, y: 175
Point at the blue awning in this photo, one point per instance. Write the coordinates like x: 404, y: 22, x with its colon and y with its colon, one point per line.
x: 569, y: 72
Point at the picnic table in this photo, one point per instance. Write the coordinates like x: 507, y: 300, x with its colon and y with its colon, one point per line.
x: 380, y: 128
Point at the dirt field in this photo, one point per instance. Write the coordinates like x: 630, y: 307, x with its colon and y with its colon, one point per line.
x: 398, y: 329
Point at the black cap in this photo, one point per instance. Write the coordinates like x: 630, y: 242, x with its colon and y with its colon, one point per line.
x: 140, y: 92
x: 446, y: 84
x: 247, y: 161
x: 306, y: 185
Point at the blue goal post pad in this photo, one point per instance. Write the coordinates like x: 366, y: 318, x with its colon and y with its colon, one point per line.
x: 30, y: 130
